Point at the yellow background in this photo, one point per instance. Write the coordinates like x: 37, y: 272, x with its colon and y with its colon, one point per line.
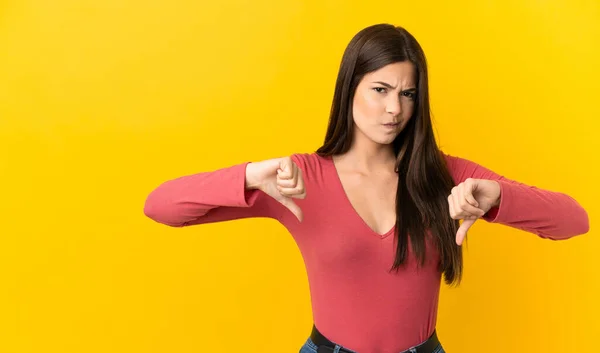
x: 100, y: 101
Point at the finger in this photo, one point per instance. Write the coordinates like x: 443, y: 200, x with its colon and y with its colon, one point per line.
x: 467, y: 203
x: 300, y: 185
x: 468, y: 195
x: 285, y: 169
x: 293, y: 188
x: 451, y: 207
x: 459, y: 214
x: 293, y: 207
x: 284, y: 174
x: 291, y: 182
x: 296, y: 192
x: 456, y: 203
x: 461, y: 234
x: 286, y: 183
x: 294, y: 169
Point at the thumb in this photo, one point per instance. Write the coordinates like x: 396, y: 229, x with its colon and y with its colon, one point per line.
x: 292, y: 206
x: 461, y: 234
x: 285, y: 165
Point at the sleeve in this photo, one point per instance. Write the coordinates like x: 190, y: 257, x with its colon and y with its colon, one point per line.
x: 209, y: 197
x: 548, y: 214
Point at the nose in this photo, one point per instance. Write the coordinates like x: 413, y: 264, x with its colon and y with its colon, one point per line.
x: 393, y: 105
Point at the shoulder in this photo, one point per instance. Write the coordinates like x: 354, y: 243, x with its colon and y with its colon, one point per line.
x: 311, y: 164
x: 454, y: 162
x: 461, y: 168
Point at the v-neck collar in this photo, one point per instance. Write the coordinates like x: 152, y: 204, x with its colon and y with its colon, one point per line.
x: 340, y: 186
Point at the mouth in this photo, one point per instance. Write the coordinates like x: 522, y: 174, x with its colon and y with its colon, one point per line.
x: 391, y: 125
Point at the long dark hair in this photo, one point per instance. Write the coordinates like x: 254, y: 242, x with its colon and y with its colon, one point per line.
x: 424, y: 181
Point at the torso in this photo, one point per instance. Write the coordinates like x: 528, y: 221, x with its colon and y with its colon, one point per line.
x: 372, y: 195
x: 347, y: 242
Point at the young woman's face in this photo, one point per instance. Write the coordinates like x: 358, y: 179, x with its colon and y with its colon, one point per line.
x: 384, y: 101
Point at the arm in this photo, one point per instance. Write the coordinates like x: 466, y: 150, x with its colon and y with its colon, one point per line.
x: 209, y: 197
x: 546, y: 213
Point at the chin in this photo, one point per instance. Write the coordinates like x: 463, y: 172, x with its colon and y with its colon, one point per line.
x: 386, y: 140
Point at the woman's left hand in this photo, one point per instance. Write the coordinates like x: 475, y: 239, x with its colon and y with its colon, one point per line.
x: 470, y: 200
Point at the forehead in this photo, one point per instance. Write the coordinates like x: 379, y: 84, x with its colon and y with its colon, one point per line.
x: 397, y: 73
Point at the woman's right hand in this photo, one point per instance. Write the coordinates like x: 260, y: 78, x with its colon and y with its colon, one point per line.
x: 279, y: 178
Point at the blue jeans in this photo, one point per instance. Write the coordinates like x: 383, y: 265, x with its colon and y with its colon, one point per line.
x: 310, y: 347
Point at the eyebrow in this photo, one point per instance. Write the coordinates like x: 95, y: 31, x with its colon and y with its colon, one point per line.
x: 392, y: 87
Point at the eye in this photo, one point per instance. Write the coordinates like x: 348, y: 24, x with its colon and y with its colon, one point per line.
x: 410, y: 95
x: 380, y: 89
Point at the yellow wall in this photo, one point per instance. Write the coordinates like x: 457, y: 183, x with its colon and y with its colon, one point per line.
x: 100, y: 101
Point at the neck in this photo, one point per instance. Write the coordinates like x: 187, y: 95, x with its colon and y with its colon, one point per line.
x: 365, y: 155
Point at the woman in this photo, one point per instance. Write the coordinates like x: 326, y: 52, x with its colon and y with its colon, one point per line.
x: 375, y: 211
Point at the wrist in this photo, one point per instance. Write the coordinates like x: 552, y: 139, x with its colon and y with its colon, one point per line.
x: 499, y: 198
x: 251, y: 181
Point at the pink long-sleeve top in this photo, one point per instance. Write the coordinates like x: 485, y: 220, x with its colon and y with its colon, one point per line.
x: 356, y: 301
